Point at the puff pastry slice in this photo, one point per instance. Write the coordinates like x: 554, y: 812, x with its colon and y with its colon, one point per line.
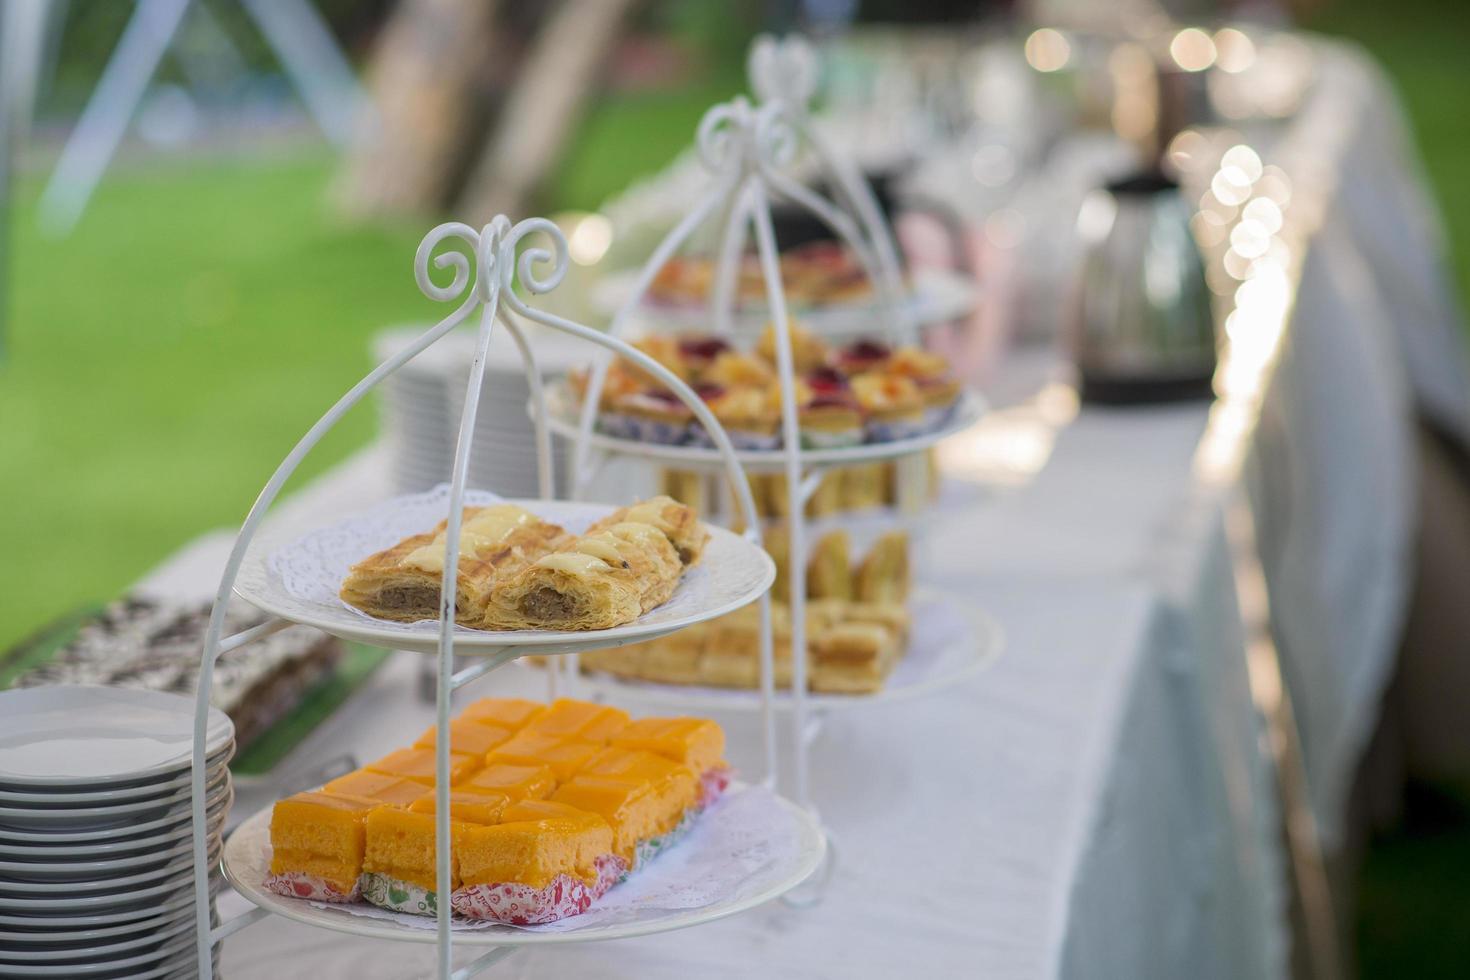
x: 679, y: 523
x: 603, y: 579
x: 883, y: 576
x: 402, y: 582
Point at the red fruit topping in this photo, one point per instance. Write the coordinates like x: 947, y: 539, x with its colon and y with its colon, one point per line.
x: 709, y: 391
x: 702, y: 348
x: 865, y: 352
x: 663, y: 395
x: 825, y: 379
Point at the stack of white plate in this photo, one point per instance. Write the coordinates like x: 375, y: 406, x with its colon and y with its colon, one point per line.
x: 96, y: 860
x: 414, y: 408
x: 422, y: 402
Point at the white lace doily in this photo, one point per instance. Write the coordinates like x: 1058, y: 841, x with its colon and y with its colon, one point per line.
x: 746, y: 849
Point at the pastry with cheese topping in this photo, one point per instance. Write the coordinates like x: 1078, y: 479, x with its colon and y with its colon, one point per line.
x: 677, y: 522
x: 402, y: 583
x: 517, y: 571
x: 603, y: 579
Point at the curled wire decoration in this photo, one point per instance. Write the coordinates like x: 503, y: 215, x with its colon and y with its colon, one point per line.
x: 533, y: 256
x: 456, y: 260
x: 775, y: 137
x: 783, y: 69
x: 723, y: 135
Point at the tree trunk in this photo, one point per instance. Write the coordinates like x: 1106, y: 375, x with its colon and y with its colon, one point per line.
x: 423, y: 78
x: 558, y: 76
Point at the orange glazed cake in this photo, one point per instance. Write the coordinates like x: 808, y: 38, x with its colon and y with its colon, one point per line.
x: 317, y: 842
x: 550, y: 808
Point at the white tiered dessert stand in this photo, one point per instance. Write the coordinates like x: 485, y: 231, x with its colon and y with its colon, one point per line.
x: 747, y: 150
x: 482, y: 278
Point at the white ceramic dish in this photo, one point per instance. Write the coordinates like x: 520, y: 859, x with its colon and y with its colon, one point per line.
x: 119, y: 816
x: 79, y: 738
x: 165, y: 962
x: 300, y: 579
x: 126, y: 897
x: 30, y: 882
x: 124, y: 932
x: 174, y: 836
x: 112, y: 830
x: 93, y: 919
x: 106, y: 952
x: 40, y: 799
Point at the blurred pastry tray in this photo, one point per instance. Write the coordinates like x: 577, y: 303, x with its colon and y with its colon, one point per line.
x: 296, y: 699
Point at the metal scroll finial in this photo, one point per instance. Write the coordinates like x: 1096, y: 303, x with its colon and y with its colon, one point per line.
x: 783, y: 70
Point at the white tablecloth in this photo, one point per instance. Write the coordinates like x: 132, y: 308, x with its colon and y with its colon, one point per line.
x: 1099, y: 804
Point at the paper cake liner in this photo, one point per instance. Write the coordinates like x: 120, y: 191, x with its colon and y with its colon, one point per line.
x: 397, y: 895
x: 298, y: 884
x: 713, y: 783
x: 522, y: 905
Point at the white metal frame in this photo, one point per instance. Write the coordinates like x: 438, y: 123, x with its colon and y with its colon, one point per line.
x: 295, y: 32
x: 747, y: 150
x: 489, y: 288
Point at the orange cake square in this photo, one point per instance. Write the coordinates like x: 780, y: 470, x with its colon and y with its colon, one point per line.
x: 322, y: 835
x: 535, y: 842
x: 696, y: 742
x: 630, y: 765
x: 563, y: 756
x: 400, y: 845
x: 636, y: 811
x: 513, y: 713
x: 582, y: 720
x: 418, y: 765
x: 467, y: 737
x: 393, y: 790
x: 515, y: 782
x: 466, y: 805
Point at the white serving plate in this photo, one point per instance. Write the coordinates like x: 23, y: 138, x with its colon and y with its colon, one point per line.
x: 949, y: 643
x: 938, y: 296
x: 115, y: 955
x: 563, y: 419
x: 111, y: 829
x: 121, y: 794
x: 65, y: 853
x: 80, y: 738
x: 298, y: 580
x: 247, y: 858
x: 163, y: 962
x: 123, y: 898
x: 47, y: 919
x: 136, y: 932
x: 35, y: 879
x: 118, y: 816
